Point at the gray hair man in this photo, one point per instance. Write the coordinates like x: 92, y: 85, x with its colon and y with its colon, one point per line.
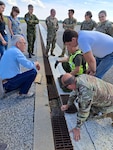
x: 10, y: 72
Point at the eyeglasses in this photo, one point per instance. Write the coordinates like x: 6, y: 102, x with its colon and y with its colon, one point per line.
x: 68, y: 82
x: 23, y: 42
x: 65, y: 86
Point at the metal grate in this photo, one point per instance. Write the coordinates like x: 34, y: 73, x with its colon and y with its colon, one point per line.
x: 60, y: 132
x: 52, y: 92
x: 72, y: 108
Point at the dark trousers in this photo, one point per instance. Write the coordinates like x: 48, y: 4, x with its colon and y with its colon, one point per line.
x: 2, y: 47
x: 31, y: 40
x: 21, y: 81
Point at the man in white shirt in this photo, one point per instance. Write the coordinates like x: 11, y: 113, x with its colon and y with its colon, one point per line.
x: 97, y: 49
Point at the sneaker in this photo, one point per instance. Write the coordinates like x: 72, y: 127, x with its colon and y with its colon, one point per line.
x: 7, y: 94
x: 28, y: 95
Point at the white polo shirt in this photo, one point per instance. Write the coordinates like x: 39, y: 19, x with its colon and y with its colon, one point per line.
x: 99, y: 43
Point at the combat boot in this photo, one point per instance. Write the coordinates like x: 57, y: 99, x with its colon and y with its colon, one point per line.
x: 63, y: 51
x: 52, y: 53
x: 30, y: 55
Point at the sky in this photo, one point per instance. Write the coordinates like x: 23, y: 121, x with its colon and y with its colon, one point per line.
x: 42, y: 8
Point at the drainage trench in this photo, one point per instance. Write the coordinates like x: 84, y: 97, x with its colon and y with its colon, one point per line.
x: 60, y: 131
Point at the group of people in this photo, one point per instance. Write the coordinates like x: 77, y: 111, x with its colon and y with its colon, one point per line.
x: 104, y: 26
x: 93, y: 95
x: 14, y: 27
x: 90, y: 56
x: 11, y: 77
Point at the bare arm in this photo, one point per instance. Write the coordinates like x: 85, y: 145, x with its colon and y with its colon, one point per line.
x: 2, y: 40
x: 64, y: 59
x: 37, y: 65
x: 90, y: 59
x: 10, y: 27
x: 75, y: 71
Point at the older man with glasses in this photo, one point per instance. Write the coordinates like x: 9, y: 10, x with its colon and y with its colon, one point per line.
x: 93, y: 95
x: 10, y: 73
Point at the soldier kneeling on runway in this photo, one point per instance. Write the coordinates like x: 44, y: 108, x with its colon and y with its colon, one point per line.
x: 93, y: 95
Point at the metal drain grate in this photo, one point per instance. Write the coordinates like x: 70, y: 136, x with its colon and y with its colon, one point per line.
x: 72, y: 109
x: 60, y: 132
x: 52, y: 91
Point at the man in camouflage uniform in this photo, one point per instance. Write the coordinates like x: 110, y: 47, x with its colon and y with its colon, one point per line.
x: 88, y: 23
x: 104, y: 25
x: 68, y: 23
x: 52, y: 27
x: 31, y: 21
x: 93, y: 95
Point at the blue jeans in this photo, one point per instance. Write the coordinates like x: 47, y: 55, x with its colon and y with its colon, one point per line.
x: 2, y: 47
x: 21, y: 81
x: 103, y: 65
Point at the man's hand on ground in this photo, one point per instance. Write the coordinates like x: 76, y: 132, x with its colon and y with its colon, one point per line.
x: 64, y: 107
x: 76, y: 133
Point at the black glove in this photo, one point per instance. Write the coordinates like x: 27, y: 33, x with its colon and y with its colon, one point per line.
x: 56, y: 63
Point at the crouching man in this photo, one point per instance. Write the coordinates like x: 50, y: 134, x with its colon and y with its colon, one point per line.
x: 10, y: 73
x: 94, y: 97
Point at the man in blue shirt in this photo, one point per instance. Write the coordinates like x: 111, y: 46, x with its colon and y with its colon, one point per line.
x: 10, y: 73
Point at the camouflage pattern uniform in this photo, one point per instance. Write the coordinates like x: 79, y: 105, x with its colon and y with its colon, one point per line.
x: 31, y: 21
x: 88, y: 25
x: 52, y: 27
x: 94, y: 95
x: 70, y: 23
x: 105, y: 27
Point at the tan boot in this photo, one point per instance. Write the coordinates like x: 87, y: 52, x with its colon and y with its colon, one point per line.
x: 110, y: 115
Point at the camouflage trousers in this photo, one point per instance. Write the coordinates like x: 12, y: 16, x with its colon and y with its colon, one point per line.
x: 51, y: 41
x: 31, y: 40
x: 64, y: 50
x: 101, y: 112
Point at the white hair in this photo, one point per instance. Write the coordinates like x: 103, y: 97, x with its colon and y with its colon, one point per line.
x: 16, y: 38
